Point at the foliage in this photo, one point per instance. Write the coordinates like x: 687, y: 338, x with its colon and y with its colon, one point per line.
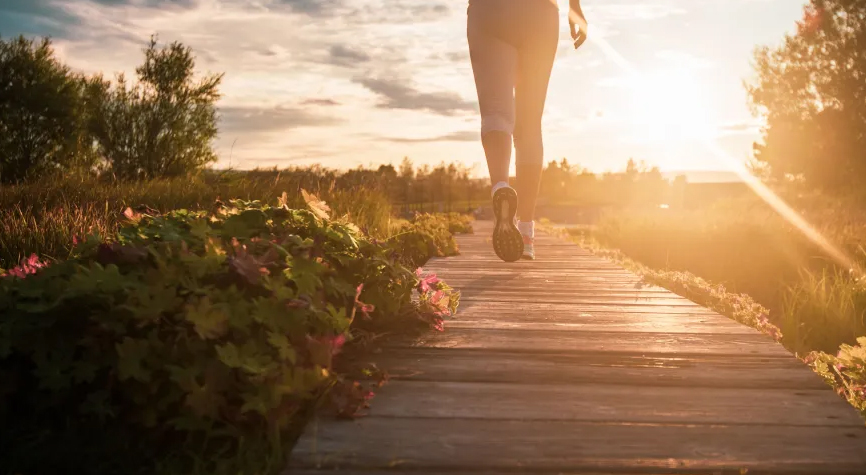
x: 426, y: 236
x: 748, y: 248
x: 823, y: 309
x: 736, y: 306
x: 199, y: 339
x: 460, y: 223
x: 164, y: 124
x: 811, y: 91
x: 846, y: 372
x: 42, y: 217
x: 41, y: 112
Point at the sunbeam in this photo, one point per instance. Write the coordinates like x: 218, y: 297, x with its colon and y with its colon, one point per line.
x: 737, y: 166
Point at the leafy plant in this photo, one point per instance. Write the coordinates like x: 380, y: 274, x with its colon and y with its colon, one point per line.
x: 846, y: 372
x: 196, y: 341
x: 426, y: 236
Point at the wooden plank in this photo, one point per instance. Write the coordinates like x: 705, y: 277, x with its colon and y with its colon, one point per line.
x: 554, y: 297
x: 570, y: 287
x: 570, y: 364
x: 575, y: 367
x: 639, y: 343
x: 543, y: 308
x: 613, y: 403
x: 461, y: 444
x: 588, y: 307
x: 567, y: 318
x: 628, y: 326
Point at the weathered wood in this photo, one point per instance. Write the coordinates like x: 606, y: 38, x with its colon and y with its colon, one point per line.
x: 627, y: 325
x: 536, y: 446
x: 641, y: 343
x: 570, y: 364
x: 579, y: 368
x: 611, y: 403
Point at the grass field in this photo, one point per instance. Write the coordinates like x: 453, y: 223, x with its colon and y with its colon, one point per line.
x: 43, y: 217
x: 744, y: 260
x: 749, y: 248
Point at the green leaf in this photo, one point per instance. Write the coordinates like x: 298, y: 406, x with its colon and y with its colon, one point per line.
x: 229, y: 355
x: 204, y: 402
x: 130, y: 364
x: 317, y: 206
x: 210, y: 321
x: 283, y: 347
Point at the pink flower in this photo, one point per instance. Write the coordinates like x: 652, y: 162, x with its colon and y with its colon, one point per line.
x: 27, y: 267
x: 337, y: 343
x: 426, y: 283
x: 365, y: 308
x: 436, y: 299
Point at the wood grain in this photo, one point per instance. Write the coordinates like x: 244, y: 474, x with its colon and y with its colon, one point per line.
x: 570, y: 364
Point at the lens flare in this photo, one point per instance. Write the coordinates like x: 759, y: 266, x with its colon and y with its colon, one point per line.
x: 737, y: 166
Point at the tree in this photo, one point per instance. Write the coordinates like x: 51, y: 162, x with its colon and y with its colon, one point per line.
x: 812, y: 92
x: 41, y: 112
x: 163, y: 125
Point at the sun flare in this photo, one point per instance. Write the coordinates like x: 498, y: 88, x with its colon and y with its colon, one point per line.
x: 668, y: 106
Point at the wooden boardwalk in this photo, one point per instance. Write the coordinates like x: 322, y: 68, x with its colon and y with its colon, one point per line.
x: 568, y: 365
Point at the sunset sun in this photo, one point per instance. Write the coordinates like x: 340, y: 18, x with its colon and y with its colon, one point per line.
x: 668, y: 106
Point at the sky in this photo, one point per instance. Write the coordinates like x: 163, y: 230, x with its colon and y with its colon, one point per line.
x: 344, y: 83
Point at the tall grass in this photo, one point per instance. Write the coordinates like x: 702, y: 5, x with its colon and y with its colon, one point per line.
x: 43, y: 217
x: 748, y: 248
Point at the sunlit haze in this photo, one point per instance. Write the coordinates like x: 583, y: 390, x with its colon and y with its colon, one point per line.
x: 368, y: 81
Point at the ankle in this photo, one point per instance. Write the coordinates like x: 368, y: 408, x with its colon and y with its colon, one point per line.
x: 498, y: 186
x: 526, y: 228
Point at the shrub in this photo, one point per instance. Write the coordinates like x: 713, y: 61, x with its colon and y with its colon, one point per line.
x: 460, y: 223
x: 161, y: 126
x: 846, y: 372
x: 425, y: 236
x: 41, y: 119
x: 192, y: 341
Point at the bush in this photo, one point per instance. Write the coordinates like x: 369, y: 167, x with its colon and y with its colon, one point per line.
x: 42, y: 124
x: 161, y: 126
x: 192, y: 342
x: 460, y: 223
x: 846, y: 372
x: 425, y: 236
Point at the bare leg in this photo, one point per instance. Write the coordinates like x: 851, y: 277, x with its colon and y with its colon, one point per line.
x: 497, y: 149
x: 533, y: 77
x: 494, y: 64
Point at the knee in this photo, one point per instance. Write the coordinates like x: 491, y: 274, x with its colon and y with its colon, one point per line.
x: 497, y: 123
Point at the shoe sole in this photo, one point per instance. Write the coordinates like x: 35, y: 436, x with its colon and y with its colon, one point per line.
x: 507, y: 241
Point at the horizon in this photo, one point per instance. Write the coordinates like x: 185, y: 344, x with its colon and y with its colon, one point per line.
x: 316, y: 81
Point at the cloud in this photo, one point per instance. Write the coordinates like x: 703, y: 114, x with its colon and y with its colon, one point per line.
x: 319, y: 102
x: 459, y: 136
x: 310, y: 7
x: 149, y: 3
x: 396, y: 94
x: 634, y: 11
x: 744, y: 127
x: 32, y: 17
x: 242, y: 121
x: 345, y: 56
